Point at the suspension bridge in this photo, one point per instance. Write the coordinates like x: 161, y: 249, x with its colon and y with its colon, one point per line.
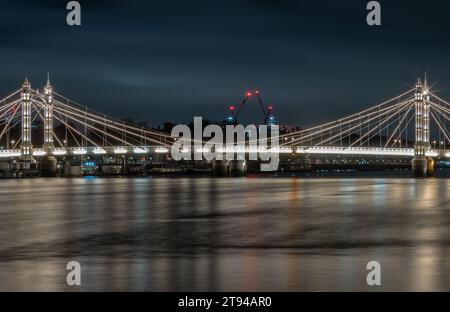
x: 402, y: 126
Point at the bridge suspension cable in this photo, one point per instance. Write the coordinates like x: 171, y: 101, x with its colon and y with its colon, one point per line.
x: 95, y: 114
x: 346, y: 127
x: 88, y: 120
x: 367, y: 112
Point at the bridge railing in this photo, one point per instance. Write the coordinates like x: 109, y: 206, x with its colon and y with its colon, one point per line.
x: 298, y: 150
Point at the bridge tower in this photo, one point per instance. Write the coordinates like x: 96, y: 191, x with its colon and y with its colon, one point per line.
x: 26, y: 120
x: 48, y: 164
x: 48, y: 115
x: 421, y: 165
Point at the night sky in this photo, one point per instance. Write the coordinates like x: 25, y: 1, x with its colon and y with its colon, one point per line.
x: 169, y: 60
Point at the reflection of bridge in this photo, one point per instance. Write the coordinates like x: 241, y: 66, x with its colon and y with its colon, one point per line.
x: 399, y: 127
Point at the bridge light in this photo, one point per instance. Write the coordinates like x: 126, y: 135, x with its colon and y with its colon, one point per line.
x: 161, y: 150
x: 39, y: 153
x: 59, y: 151
x: 249, y: 94
x: 232, y: 107
x: 140, y: 150
x: 270, y: 107
x: 79, y: 151
x: 99, y: 151
x: 10, y: 153
x: 120, y: 150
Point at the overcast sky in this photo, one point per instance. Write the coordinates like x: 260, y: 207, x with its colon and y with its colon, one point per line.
x: 172, y: 60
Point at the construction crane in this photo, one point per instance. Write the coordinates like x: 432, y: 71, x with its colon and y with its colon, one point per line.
x: 269, y: 118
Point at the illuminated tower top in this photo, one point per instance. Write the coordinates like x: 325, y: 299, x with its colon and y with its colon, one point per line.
x: 48, y: 88
x: 26, y: 88
x: 26, y: 85
x: 418, y: 83
x: 419, y: 90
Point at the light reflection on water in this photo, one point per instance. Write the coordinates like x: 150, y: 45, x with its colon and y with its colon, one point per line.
x: 200, y: 234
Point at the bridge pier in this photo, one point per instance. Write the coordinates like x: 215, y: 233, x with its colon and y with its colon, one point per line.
x: 229, y: 168
x: 48, y: 166
x: 430, y: 167
x: 238, y: 168
x: 221, y: 168
x: 420, y: 167
x: 423, y: 167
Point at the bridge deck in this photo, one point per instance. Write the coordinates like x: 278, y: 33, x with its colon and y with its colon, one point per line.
x: 143, y: 150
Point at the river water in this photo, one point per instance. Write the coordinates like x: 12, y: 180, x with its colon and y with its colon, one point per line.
x: 243, y: 234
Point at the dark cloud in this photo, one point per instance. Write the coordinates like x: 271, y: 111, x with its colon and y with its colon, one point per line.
x: 171, y: 60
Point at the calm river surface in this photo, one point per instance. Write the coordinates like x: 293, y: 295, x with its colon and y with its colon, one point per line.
x: 245, y: 234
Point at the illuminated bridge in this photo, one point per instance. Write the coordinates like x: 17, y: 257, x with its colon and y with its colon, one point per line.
x: 399, y: 127
x: 85, y: 131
